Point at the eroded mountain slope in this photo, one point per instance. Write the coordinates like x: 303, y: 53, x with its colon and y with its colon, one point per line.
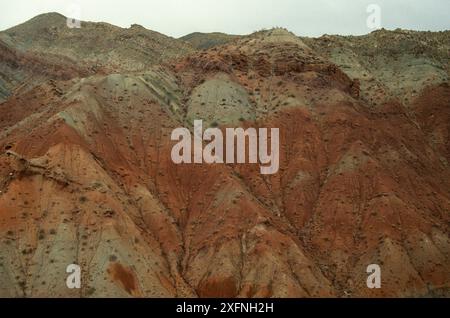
x: 87, y: 178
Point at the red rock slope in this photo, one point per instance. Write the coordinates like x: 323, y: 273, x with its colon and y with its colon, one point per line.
x: 86, y: 177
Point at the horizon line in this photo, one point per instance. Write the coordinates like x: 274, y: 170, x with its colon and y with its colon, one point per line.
x: 221, y: 32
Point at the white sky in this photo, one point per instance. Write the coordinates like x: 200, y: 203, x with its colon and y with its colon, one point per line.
x: 180, y: 17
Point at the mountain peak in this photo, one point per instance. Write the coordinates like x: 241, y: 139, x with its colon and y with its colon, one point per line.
x: 48, y: 18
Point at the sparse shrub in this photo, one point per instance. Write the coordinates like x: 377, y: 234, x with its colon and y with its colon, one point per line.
x: 83, y: 199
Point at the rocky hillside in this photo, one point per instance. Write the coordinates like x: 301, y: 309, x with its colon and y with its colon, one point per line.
x: 86, y: 175
x: 204, y: 41
x: 96, y: 48
x: 99, y: 44
x: 390, y: 64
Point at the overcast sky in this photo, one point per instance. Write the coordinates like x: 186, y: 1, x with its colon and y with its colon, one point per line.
x: 303, y: 17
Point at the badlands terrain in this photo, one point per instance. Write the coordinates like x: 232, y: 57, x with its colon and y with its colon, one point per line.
x: 86, y: 175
